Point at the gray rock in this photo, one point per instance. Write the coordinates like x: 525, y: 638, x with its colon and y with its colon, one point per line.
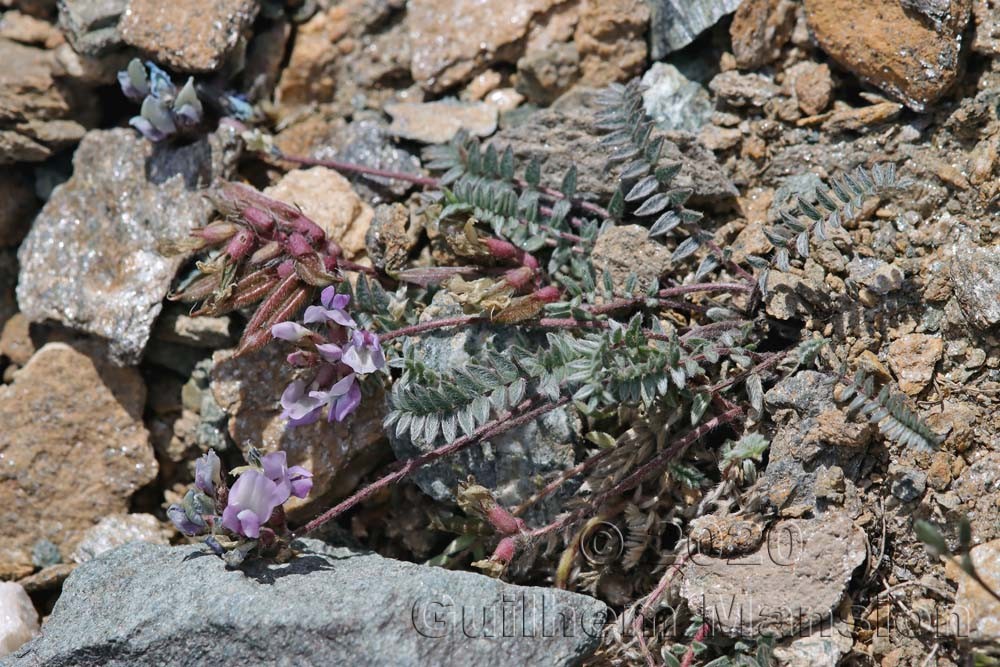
x: 570, y: 139
x: 877, y: 275
x: 145, y: 604
x: 117, y: 529
x: 512, y: 465
x: 626, y: 249
x: 975, y: 277
x: 673, y: 24
x: 91, y: 259
x: 674, y: 101
x: 91, y: 26
x: 907, y: 483
x: 813, y: 435
x: 796, y: 579
x: 366, y: 141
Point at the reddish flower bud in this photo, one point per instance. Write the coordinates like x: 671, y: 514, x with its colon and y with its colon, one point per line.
x: 260, y: 220
x: 240, y: 245
x: 500, y: 249
x: 504, y: 553
x: 266, y: 253
x: 298, y: 245
x: 547, y: 294
x: 504, y: 522
x: 286, y: 269
x: 217, y: 232
x: 307, y: 228
x: 518, y: 278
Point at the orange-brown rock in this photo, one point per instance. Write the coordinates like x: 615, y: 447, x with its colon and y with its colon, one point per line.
x: 610, y: 38
x: 901, y: 52
x: 760, y: 29
x: 73, y: 448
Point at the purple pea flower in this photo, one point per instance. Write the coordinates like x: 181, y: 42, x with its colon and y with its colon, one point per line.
x: 208, y: 473
x: 299, y: 407
x: 364, y: 353
x: 290, y: 331
x: 342, y: 398
x: 332, y: 309
x: 251, y: 501
x: 295, y: 481
x: 188, y: 525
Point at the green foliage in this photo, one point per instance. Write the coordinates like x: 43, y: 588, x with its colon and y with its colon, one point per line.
x: 834, y: 206
x: 889, y: 412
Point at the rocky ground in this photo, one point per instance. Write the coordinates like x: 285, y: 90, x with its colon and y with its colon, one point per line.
x: 109, y: 392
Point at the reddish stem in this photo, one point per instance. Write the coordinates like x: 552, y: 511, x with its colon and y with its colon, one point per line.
x: 504, y: 422
x: 698, y: 636
x: 638, y: 476
x: 349, y: 167
x: 552, y: 486
x: 415, y: 329
x: 648, y: 605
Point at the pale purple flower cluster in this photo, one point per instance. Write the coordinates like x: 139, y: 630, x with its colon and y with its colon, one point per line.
x: 248, y: 506
x: 339, y: 351
x: 165, y: 110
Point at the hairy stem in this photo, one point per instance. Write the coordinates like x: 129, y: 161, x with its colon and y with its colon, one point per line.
x: 351, y: 168
x: 566, y: 475
x: 654, y: 465
x: 504, y: 422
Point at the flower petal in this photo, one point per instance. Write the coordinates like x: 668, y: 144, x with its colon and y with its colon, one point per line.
x: 249, y: 523
x: 330, y: 351
x: 290, y: 331
x: 347, y: 403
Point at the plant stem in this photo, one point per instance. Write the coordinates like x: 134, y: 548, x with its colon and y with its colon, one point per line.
x: 504, y: 422
x: 648, y: 605
x: 349, y: 167
x: 552, y: 486
x: 704, y: 287
x: 638, y: 476
x: 415, y: 329
x: 698, y: 636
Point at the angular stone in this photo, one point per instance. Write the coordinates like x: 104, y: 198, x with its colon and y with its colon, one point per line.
x: 795, y: 579
x: 741, y: 90
x: 975, y: 279
x: 813, y: 86
x: 987, y: 19
x: 898, y: 51
x: 328, y: 199
x: 188, y: 35
x: 92, y: 25
x: 338, y: 454
x: 760, y: 29
x: 977, y: 611
x: 451, y: 40
x: 41, y: 111
x: 437, y: 122
x: 74, y: 447
x: 544, y: 75
x: 18, y: 618
x: 627, y: 249
x: 913, y: 358
x: 674, y: 101
x: 676, y: 23
x: 611, y: 39
x: 328, y: 606
x: 118, y: 529
x: 91, y: 258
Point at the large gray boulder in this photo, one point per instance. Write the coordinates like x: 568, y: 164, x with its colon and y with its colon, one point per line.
x: 145, y: 604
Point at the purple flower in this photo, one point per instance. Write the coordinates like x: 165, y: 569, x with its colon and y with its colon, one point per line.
x: 251, y: 502
x: 342, y: 398
x: 331, y: 310
x: 300, y: 408
x: 296, y: 481
x: 208, y: 473
x: 188, y: 525
x: 290, y: 331
x: 330, y: 352
x: 364, y: 353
